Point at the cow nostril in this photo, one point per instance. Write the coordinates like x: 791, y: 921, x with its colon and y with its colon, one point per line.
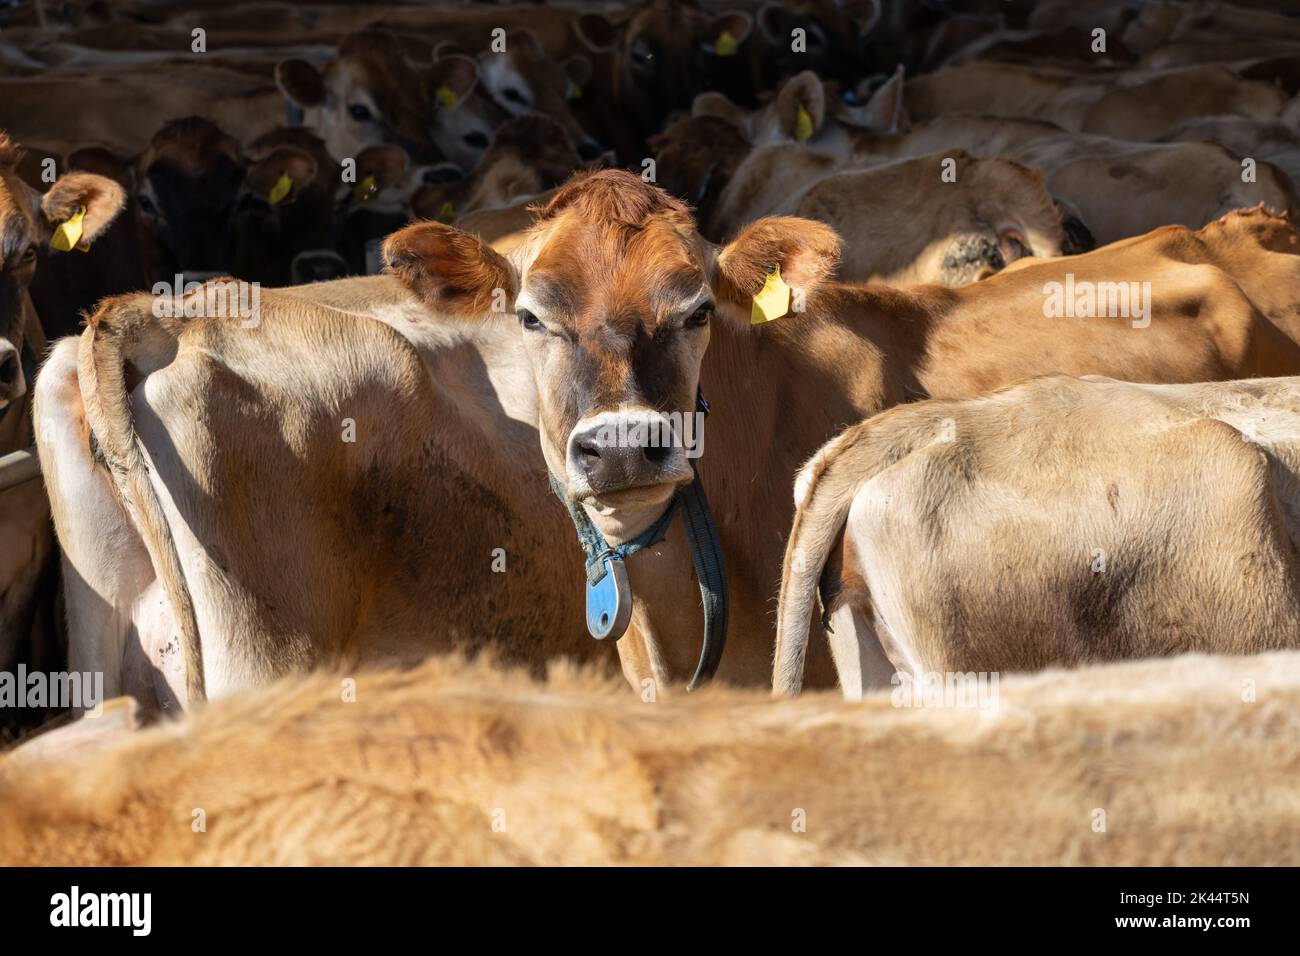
x: 9, y: 369
x: 656, y: 454
x: 589, y: 449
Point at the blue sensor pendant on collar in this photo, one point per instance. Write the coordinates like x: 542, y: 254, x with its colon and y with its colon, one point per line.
x: 609, y: 599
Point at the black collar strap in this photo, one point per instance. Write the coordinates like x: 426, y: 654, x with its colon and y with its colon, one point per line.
x: 609, y: 596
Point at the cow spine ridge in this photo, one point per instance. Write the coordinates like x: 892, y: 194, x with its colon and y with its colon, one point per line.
x: 101, y: 373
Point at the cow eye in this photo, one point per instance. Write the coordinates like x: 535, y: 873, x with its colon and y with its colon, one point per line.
x: 29, y: 254
x: 702, y: 315
x: 476, y: 139
x: 528, y: 320
x: 360, y: 112
x: 643, y: 57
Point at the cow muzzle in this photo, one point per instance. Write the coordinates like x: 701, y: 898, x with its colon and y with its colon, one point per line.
x: 625, y: 457
x: 12, y: 383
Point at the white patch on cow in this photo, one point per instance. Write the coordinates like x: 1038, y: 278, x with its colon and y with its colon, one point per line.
x: 860, y: 661
x: 869, y: 515
x: 105, y: 564
x: 499, y: 76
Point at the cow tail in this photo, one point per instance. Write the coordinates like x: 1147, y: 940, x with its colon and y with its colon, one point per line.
x: 102, y: 373
x: 828, y: 484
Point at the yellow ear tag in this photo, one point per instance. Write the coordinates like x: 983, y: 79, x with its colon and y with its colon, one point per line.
x: 726, y: 45
x: 447, y: 213
x: 68, y: 234
x: 283, y: 186
x: 572, y: 91
x: 803, y: 124
x: 446, y: 98
x: 365, y: 190
x: 772, y: 301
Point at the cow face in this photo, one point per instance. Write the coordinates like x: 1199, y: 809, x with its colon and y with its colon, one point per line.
x: 188, y: 182
x: 373, y: 93
x: 369, y: 94
x: 662, y: 53
x: 615, y: 293
x: 833, y: 33
x: 287, y: 206
x: 525, y: 80
x: 464, y: 116
x: 28, y: 221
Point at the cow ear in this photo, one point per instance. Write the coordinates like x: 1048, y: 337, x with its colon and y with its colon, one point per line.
x: 801, y: 106
x: 865, y: 14
x: 722, y: 106
x: 387, y: 162
x: 527, y: 36
x: 596, y: 32
x: 100, y: 197
x: 281, y: 175
x: 103, y: 162
x: 300, y: 82
x: 806, y: 252
x: 884, y: 112
x: 769, y: 23
x: 454, y: 272
x: 448, y: 48
x: 578, y: 71
x: 453, y: 76
x: 723, y: 34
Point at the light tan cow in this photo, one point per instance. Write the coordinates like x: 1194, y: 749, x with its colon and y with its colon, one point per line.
x: 1186, y: 183
x: 27, y: 223
x: 419, y: 768
x: 616, y: 267
x: 123, y: 108
x: 449, y: 399
x: 1125, y: 105
x: 949, y: 218
x: 421, y: 432
x: 372, y: 93
x: 1056, y: 523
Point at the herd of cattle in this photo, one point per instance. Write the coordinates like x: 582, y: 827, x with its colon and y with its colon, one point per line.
x: 995, y: 306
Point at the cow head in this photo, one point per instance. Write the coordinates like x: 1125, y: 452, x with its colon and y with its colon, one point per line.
x: 661, y: 53
x: 834, y: 36
x: 369, y: 94
x: 188, y: 181
x: 376, y: 91
x: 615, y: 293
x: 287, y: 208
x: 529, y: 154
x: 524, y: 79
x: 28, y: 221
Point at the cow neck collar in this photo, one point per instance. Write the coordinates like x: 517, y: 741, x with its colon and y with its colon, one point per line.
x: 609, y: 595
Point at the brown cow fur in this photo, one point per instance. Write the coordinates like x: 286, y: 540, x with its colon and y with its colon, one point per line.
x: 1143, y: 763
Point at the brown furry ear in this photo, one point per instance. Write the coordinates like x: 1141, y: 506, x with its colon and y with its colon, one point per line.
x: 807, y: 252
x: 300, y: 82
x: 801, y: 93
x: 101, y: 197
x: 265, y: 175
x: 456, y: 273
